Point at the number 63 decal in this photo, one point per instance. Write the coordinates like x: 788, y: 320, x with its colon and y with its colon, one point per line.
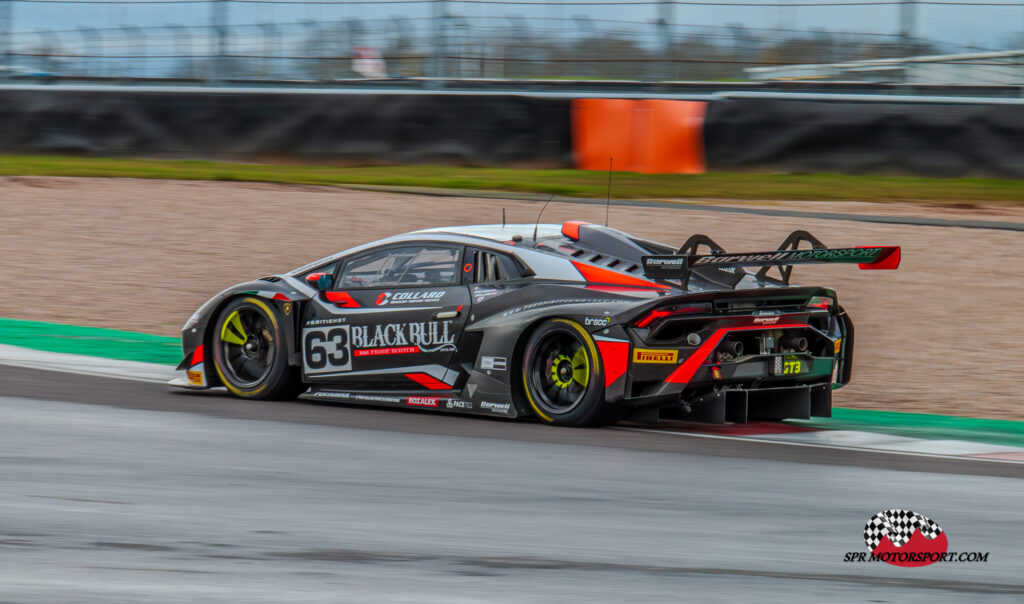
x: 326, y: 350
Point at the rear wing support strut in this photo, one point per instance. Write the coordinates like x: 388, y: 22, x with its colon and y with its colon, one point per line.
x: 792, y: 242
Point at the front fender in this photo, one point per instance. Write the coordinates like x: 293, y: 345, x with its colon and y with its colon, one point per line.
x: 285, y: 293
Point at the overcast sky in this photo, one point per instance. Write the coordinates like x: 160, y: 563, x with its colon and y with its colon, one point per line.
x: 982, y: 26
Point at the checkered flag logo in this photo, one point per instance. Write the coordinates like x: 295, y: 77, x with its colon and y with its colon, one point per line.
x: 899, y: 526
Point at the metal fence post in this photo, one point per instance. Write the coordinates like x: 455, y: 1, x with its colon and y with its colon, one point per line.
x: 907, y: 35
x: 218, y: 21
x: 665, y: 31
x: 92, y: 45
x: 6, y: 18
x: 182, y: 66
x: 269, y: 49
x: 907, y: 25
x: 440, y: 38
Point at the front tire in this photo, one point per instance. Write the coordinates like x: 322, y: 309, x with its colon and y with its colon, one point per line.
x: 562, y: 376
x: 249, y: 353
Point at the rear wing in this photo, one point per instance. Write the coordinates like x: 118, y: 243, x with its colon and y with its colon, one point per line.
x: 686, y: 259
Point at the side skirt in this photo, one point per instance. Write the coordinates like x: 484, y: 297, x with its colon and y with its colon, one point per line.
x: 447, y: 402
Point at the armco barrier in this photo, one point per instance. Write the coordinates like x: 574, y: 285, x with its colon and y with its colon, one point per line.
x: 367, y: 128
x: 904, y: 138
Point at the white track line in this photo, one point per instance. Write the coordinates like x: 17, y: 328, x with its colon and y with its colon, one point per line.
x: 79, y: 364
x: 155, y: 373
x: 818, y: 445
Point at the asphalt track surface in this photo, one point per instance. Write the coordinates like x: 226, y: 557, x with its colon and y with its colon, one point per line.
x: 120, y: 491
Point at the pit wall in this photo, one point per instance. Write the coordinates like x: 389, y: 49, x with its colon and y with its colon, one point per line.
x: 641, y: 135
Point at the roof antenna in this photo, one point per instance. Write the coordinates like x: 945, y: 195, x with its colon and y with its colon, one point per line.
x: 608, y: 200
x: 536, y: 226
x: 502, y: 218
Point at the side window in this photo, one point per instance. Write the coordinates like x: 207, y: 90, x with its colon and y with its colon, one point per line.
x: 491, y: 266
x: 402, y: 267
x: 325, y: 268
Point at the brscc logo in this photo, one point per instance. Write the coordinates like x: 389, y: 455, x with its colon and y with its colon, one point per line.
x: 904, y: 538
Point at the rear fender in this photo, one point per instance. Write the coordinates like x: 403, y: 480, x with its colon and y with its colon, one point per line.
x: 844, y: 360
x: 503, y: 336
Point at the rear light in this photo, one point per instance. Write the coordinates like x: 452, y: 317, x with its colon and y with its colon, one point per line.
x: 671, y: 311
x: 822, y: 302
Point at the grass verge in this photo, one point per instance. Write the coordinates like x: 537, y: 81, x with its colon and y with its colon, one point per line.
x: 923, y: 425
x: 91, y: 341
x: 570, y: 183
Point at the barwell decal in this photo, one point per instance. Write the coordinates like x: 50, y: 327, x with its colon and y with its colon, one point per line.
x: 851, y: 253
x: 670, y: 262
x: 499, y: 408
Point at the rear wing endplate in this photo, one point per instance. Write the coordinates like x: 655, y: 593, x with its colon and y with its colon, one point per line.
x: 680, y: 265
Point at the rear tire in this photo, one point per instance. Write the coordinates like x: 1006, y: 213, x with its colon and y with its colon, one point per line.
x: 562, y: 377
x: 249, y: 355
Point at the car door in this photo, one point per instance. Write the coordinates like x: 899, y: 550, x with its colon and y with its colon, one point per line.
x: 392, y: 320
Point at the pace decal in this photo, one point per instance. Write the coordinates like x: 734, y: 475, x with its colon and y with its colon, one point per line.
x: 428, y: 336
x: 649, y: 355
x: 327, y: 349
x: 413, y: 297
x: 438, y: 402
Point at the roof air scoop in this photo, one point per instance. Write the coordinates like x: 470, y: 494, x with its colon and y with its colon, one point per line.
x: 571, y: 229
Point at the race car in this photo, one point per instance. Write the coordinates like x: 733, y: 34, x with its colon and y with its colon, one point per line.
x: 574, y: 325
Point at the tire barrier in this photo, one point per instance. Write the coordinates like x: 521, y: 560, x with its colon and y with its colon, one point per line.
x: 492, y: 130
x: 893, y: 138
x: 648, y: 135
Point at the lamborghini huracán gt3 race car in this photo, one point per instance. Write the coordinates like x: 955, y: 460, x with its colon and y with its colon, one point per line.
x: 573, y: 325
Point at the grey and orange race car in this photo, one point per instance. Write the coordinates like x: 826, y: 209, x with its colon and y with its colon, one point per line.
x: 573, y: 325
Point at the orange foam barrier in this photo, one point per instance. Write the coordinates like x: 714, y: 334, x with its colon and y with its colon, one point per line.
x: 651, y: 136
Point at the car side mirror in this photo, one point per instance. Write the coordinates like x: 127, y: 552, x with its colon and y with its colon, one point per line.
x: 321, y: 281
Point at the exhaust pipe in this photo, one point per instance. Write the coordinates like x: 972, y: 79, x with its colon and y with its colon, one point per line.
x: 798, y: 343
x: 734, y: 347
